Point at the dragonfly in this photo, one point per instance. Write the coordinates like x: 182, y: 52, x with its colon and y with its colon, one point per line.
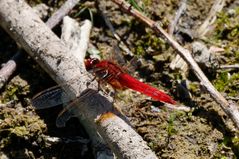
x: 113, y: 74
x: 105, y: 71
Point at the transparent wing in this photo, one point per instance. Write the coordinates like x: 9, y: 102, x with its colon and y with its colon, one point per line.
x: 70, y: 110
x: 50, y: 97
x: 119, y: 58
x: 63, y: 117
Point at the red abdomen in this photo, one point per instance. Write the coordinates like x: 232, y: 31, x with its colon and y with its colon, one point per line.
x: 132, y: 83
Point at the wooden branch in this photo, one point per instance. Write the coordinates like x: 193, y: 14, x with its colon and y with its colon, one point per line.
x: 76, y: 37
x: 230, y: 109
x: 61, y: 12
x: 23, y: 25
x: 10, y: 67
x: 111, y: 128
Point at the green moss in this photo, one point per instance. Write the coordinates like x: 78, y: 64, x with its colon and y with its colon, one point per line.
x: 171, y: 123
x: 16, y: 124
x: 147, y: 2
x: 14, y: 91
x: 150, y: 41
x: 226, y: 32
x: 227, y: 25
x: 171, y: 130
x: 227, y: 83
x: 193, y: 87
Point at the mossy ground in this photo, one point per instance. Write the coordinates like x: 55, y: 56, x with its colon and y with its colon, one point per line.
x: 204, y: 133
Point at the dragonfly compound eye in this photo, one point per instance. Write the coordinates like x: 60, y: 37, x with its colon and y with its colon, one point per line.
x: 94, y: 61
x: 90, y: 63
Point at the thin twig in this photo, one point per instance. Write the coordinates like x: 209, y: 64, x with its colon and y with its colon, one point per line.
x: 230, y: 109
x: 181, y: 9
x: 177, y: 62
x: 122, y: 45
x: 236, y: 66
x: 61, y: 12
x: 232, y: 98
x: 9, y: 68
x: 56, y: 140
x: 205, y: 27
x: 178, y: 107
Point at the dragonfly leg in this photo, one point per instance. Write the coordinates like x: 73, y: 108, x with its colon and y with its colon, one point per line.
x: 89, y: 82
x: 101, y: 84
x: 113, y: 93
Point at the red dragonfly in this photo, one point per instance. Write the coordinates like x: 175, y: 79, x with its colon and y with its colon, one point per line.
x: 118, y: 79
x: 106, y: 71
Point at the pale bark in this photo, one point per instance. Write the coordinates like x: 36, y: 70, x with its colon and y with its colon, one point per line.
x: 10, y: 67
x: 76, y: 37
x: 24, y: 26
x: 60, y: 13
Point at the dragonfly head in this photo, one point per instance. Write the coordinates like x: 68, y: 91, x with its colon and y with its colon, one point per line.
x: 90, y: 63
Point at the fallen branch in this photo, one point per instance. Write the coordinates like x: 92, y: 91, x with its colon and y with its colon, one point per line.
x: 61, y: 12
x: 10, y: 67
x: 230, y: 109
x: 23, y: 25
x: 76, y: 38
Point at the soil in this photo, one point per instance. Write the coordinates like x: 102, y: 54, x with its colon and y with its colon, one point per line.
x: 205, y: 132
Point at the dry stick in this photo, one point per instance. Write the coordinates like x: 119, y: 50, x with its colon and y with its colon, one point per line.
x: 229, y: 108
x: 205, y: 27
x: 177, y: 62
x: 179, y: 12
x: 76, y: 37
x: 236, y: 66
x: 19, y: 20
x: 61, y: 12
x: 10, y: 67
x: 122, y: 45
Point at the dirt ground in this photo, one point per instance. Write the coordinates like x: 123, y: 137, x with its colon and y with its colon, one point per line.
x: 205, y: 132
